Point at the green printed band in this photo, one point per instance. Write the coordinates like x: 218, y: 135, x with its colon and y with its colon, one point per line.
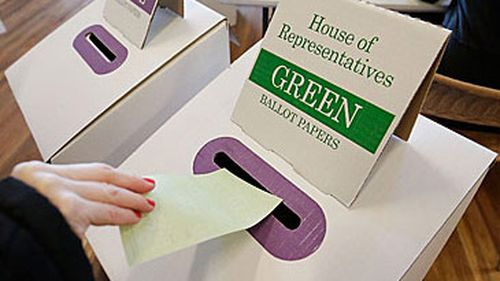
x: 356, y: 119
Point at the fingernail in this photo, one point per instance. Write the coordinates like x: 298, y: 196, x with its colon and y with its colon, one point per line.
x: 151, y: 202
x: 138, y: 214
x: 151, y: 181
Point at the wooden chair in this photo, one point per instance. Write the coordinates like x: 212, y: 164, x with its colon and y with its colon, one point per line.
x: 477, y: 108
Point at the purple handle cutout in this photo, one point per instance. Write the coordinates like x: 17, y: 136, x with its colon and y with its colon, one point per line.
x: 100, y: 50
x: 277, y: 239
x: 146, y: 5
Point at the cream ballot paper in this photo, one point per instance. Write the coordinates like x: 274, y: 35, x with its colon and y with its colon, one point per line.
x: 332, y: 82
x: 193, y: 209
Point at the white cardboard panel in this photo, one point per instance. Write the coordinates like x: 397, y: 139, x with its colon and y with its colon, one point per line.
x: 419, y: 269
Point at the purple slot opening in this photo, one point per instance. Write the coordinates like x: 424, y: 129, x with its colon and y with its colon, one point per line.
x: 100, y: 50
x: 297, y: 227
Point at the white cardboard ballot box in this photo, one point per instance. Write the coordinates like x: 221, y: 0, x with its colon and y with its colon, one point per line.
x: 330, y: 87
x: 88, y: 94
x: 395, y: 229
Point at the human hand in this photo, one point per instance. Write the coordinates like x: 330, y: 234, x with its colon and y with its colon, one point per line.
x: 89, y: 194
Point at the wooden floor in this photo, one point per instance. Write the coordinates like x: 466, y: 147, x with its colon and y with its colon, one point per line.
x: 471, y: 254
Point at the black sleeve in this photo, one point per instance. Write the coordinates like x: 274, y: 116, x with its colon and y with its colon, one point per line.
x: 36, y: 243
x: 473, y: 51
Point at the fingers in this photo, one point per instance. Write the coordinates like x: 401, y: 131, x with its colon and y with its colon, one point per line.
x: 80, y: 213
x: 110, y: 194
x: 133, y: 183
x: 26, y: 171
x: 89, y: 193
x: 106, y: 214
x: 98, y: 172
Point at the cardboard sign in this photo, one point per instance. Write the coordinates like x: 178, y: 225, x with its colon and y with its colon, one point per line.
x: 134, y: 18
x: 332, y: 82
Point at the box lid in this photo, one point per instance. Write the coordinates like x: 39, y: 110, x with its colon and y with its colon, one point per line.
x: 59, y: 94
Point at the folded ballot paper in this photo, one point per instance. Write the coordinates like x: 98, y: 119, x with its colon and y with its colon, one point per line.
x: 193, y: 209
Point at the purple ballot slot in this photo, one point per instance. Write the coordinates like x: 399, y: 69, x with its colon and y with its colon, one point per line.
x: 296, y: 228
x: 146, y: 5
x: 100, y: 50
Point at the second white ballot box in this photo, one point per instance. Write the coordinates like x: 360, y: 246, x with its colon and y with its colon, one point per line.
x: 395, y: 229
x: 88, y: 93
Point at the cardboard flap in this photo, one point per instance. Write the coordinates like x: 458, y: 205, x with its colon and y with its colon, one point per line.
x: 405, y: 127
x: 133, y: 18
